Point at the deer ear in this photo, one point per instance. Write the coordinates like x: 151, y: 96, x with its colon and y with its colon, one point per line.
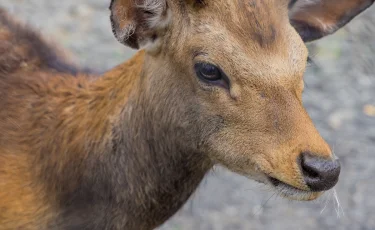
x: 314, y: 19
x: 136, y: 23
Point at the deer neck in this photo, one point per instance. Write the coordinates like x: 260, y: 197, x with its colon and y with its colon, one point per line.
x: 146, y: 169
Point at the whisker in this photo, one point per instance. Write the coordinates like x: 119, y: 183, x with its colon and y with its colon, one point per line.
x: 257, y: 213
x: 326, y: 202
x: 338, y: 206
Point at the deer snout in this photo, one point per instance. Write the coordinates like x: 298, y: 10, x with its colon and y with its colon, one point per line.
x: 319, y: 173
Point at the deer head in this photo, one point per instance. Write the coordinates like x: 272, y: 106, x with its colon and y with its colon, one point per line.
x: 229, y: 74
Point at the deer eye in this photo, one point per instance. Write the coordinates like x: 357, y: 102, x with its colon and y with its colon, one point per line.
x: 207, y: 72
x: 211, y: 74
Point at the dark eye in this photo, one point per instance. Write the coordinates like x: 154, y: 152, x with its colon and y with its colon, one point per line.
x: 208, y: 72
x: 211, y: 74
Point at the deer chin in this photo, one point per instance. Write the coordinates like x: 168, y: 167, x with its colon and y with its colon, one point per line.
x: 291, y: 192
x: 285, y: 190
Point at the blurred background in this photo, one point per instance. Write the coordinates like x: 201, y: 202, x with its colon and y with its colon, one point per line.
x: 339, y: 95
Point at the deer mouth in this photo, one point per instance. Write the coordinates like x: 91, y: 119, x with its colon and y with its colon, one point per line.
x: 291, y: 192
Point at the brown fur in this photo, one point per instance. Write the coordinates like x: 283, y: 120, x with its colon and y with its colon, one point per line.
x: 126, y: 150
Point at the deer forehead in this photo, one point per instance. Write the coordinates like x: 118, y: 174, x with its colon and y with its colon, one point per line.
x: 247, y: 45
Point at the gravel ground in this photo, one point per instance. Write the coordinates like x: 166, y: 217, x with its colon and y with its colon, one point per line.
x: 340, y: 97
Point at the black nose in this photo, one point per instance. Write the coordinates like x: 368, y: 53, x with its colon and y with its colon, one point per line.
x: 320, y: 174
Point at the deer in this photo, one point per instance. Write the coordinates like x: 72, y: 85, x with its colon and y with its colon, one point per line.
x: 214, y: 82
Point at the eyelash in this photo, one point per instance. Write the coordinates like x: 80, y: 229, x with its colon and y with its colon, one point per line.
x: 223, y: 81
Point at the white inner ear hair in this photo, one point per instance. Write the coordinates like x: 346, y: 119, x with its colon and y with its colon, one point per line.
x: 159, y: 14
x: 123, y: 34
x: 158, y: 19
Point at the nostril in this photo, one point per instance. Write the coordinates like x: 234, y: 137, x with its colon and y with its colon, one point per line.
x: 319, y: 174
x: 309, y: 170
